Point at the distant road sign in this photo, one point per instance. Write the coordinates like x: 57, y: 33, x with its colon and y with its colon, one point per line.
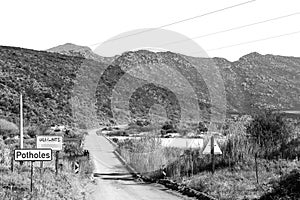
x: 33, y: 154
x: 207, y: 149
x: 49, y: 141
x: 76, y: 167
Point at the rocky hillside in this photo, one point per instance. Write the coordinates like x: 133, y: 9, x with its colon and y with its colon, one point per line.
x: 253, y: 82
x: 260, y: 81
x: 70, y: 83
x: 46, y: 81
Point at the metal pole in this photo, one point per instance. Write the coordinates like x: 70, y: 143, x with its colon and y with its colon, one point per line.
x: 21, y: 121
x: 21, y: 124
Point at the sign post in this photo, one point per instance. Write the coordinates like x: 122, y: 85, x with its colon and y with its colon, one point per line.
x: 212, y: 148
x: 32, y: 155
x: 212, y: 155
x: 31, y: 177
x: 12, y: 162
x: 56, y: 162
x: 53, y: 142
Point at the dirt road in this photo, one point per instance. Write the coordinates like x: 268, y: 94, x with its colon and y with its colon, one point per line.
x: 114, y: 182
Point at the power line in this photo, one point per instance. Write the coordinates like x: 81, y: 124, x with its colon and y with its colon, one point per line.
x: 231, y: 29
x: 180, y: 21
x: 254, y: 41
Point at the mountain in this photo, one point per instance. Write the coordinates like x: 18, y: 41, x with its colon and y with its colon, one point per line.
x: 80, y: 51
x: 48, y: 82
x: 70, y: 84
x: 253, y: 82
x: 269, y: 80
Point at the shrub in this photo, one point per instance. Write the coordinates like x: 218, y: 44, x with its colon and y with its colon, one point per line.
x: 115, y: 140
x: 73, y: 149
x: 168, y: 127
x: 31, y: 131
x: 270, y: 133
x: 7, y: 129
x: 202, y: 128
x: 141, y: 122
x: 287, y: 187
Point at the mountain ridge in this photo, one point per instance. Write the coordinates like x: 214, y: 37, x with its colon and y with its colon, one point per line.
x: 254, y: 80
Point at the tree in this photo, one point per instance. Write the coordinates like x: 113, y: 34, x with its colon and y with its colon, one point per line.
x: 270, y: 133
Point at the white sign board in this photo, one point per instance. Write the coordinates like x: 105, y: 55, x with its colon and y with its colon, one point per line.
x: 33, y: 155
x: 49, y: 141
x: 207, y: 149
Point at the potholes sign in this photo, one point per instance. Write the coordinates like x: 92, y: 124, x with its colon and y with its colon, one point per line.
x: 49, y: 141
x: 33, y: 155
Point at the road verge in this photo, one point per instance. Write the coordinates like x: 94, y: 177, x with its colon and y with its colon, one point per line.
x: 181, y: 188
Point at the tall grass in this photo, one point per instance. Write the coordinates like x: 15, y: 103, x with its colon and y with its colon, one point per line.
x: 46, y: 184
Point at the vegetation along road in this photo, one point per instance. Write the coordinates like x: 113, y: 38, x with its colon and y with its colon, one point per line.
x: 113, y: 179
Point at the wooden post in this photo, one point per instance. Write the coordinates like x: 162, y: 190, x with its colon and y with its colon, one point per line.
x: 56, y: 162
x: 192, y: 164
x: 31, y: 177
x: 212, y: 155
x: 12, y: 163
x: 256, y: 168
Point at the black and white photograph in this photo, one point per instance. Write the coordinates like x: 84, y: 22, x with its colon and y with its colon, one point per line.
x: 150, y: 100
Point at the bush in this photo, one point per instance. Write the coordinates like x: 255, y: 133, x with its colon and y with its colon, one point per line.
x: 7, y: 129
x: 115, y: 140
x: 270, y: 133
x: 202, y: 128
x: 142, y: 123
x: 31, y: 131
x: 168, y: 127
x: 73, y: 149
x: 287, y: 187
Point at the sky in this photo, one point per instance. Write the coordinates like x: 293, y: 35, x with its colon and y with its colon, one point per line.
x: 40, y: 25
